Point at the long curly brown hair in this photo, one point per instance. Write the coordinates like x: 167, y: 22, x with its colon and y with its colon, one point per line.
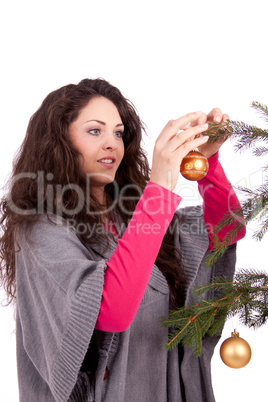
x: 48, y: 157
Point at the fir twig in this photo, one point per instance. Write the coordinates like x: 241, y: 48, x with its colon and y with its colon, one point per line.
x: 245, y: 295
x: 258, y: 234
x: 246, y: 135
x: 260, y: 151
x: 261, y: 108
x: 255, y: 207
x: 235, y: 221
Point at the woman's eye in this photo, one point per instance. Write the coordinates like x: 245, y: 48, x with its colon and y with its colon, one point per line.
x: 94, y: 131
x: 119, y: 134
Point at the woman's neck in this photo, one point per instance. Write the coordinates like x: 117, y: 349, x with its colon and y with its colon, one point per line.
x: 100, y: 195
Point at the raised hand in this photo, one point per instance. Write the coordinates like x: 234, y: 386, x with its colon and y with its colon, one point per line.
x: 174, y: 142
x: 215, y: 115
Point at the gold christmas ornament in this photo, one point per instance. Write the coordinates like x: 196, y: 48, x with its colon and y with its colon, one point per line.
x: 194, y: 166
x: 235, y: 352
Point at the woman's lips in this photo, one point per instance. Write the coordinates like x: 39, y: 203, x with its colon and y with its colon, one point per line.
x: 107, y: 162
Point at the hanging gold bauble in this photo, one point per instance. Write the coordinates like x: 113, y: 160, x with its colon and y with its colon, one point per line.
x: 235, y: 352
x: 194, y: 166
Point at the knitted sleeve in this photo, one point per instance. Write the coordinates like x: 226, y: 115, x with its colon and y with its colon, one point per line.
x: 59, y: 289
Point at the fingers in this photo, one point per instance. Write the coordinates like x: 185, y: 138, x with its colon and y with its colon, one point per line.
x: 201, y: 120
x: 197, y: 142
x: 190, y: 145
x: 215, y: 115
x: 187, y: 140
x: 225, y: 117
x: 187, y: 136
x: 190, y: 125
x: 187, y: 127
x: 174, y: 126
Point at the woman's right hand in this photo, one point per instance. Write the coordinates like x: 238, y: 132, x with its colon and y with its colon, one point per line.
x: 172, y: 145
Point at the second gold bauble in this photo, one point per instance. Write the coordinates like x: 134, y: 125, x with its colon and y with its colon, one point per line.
x: 235, y: 352
x: 194, y: 166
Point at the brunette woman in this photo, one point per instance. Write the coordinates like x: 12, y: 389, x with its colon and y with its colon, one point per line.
x: 95, y: 250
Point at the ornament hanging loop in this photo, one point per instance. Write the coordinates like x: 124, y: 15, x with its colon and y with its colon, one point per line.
x: 235, y: 334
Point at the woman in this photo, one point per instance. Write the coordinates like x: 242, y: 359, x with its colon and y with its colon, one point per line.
x: 83, y: 223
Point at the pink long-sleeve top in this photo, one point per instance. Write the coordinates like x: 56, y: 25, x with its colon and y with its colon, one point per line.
x: 129, y: 267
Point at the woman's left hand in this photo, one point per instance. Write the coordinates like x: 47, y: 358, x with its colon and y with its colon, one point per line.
x: 215, y: 115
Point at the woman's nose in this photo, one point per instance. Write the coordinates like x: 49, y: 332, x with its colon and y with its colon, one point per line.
x: 110, y: 142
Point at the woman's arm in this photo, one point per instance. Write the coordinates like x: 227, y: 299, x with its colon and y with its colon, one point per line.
x: 130, y: 266
x: 219, y: 198
x: 218, y: 194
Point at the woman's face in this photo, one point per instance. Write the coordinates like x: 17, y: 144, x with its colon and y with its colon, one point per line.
x: 97, y: 134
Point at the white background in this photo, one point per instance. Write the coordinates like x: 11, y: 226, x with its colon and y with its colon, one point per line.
x: 168, y: 58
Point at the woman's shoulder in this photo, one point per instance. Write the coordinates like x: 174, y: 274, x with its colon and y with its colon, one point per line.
x: 47, y: 224
x: 50, y: 236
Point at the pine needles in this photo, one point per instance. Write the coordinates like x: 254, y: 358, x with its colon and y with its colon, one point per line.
x: 246, y: 136
x: 235, y: 217
x: 255, y: 205
x: 245, y: 295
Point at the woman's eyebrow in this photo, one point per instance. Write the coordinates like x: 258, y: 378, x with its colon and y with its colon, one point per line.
x: 103, y: 123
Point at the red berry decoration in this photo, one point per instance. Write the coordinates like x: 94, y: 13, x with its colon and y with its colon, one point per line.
x: 194, y: 166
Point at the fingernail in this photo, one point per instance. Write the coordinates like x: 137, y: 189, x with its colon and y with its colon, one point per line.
x: 218, y: 119
x: 205, y: 137
x: 198, y: 113
x: 204, y: 125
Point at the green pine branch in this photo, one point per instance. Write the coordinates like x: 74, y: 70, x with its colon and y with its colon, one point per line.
x: 260, y: 151
x: 255, y: 205
x: 247, y: 136
x: 220, y: 247
x: 261, y: 108
x: 245, y: 296
x: 258, y: 234
x: 235, y: 220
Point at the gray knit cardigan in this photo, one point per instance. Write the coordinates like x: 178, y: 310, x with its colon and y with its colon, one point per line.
x: 59, y: 288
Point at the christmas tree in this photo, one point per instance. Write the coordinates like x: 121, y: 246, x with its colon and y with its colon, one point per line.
x: 246, y: 294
